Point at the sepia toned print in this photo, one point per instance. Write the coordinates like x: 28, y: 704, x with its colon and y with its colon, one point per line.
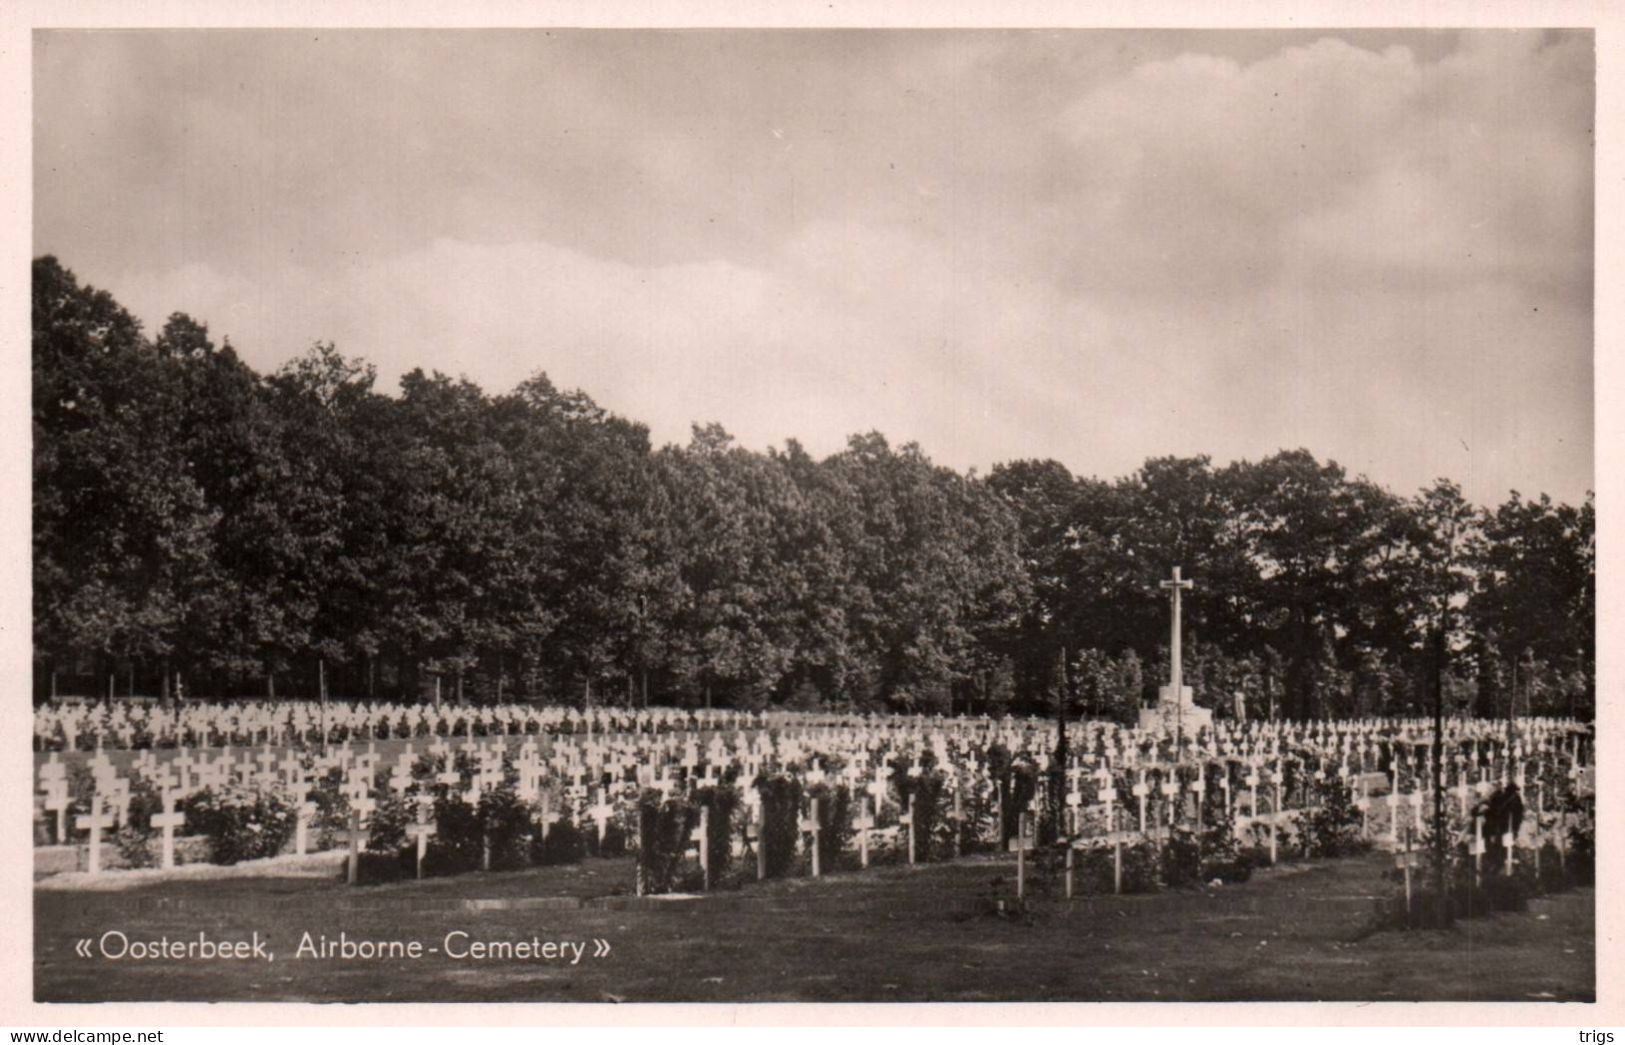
x: 813, y: 515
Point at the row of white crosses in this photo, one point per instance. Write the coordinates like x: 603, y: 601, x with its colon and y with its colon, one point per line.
x: 304, y: 721
x: 673, y: 759
x: 110, y: 800
x: 72, y: 725
x: 1169, y: 792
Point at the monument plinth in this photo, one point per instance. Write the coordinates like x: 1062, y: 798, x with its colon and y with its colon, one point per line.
x: 1176, y: 715
x: 1175, y: 711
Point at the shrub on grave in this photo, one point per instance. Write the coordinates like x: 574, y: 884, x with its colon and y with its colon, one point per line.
x: 927, y: 789
x: 1474, y: 899
x: 664, y: 824
x: 1182, y: 859
x: 386, y: 829
x: 1142, y: 867
x: 781, y: 822
x: 616, y: 840
x: 134, y: 838
x: 1581, y: 858
x: 1017, y: 783
x: 81, y: 787
x: 239, y: 823
x: 1511, y: 892
x: 332, y: 808
x: 834, y: 821
x: 1223, y: 856
x: 723, y: 803
x: 1554, y: 874
x: 1093, y: 869
x: 1293, y: 777
x: 505, y: 824
x: 1332, y: 828
x: 424, y: 770
x: 377, y: 867
x: 458, y: 844
x: 1424, y: 912
x: 979, y: 821
x: 563, y: 844
x: 1461, y: 899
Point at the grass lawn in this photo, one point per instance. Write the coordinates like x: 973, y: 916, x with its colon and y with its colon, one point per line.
x: 1293, y: 933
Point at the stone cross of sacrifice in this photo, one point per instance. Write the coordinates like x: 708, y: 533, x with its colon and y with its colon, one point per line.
x: 1176, y: 667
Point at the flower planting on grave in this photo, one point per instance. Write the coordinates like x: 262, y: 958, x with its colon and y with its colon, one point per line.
x: 1331, y: 827
x: 664, y: 826
x: 560, y: 843
x: 240, y: 823
x: 720, y: 803
x: 780, y: 833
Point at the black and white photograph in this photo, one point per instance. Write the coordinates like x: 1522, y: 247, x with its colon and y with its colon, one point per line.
x: 735, y: 515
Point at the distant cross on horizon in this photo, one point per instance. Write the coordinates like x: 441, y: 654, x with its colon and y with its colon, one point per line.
x: 1176, y: 667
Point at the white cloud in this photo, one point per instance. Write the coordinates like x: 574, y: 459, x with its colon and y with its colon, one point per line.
x: 1379, y: 256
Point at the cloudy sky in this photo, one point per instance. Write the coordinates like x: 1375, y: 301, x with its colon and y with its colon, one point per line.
x: 1091, y: 246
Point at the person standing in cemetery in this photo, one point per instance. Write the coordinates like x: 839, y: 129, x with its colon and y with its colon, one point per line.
x: 1503, y: 814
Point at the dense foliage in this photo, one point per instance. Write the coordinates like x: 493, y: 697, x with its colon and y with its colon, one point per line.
x: 197, y: 522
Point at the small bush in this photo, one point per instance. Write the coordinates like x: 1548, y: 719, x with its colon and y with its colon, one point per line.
x: 781, y: 822
x: 1021, y: 785
x: 505, y: 826
x: 458, y: 843
x: 1582, y: 851
x: 1182, y: 859
x: 1333, y: 827
x: 1511, y: 892
x: 978, y: 822
x: 1141, y: 867
x: 664, y: 824
x: 1223, y: 856
x: 928, y: 790
x: 564, y: 844
x: 134, y: 847
x: 134, y: 838
x: 386, y: 829
x: 240, y: 823
x: 615, y: 843
x: 1094, y: 872
x: 332, y: 809
x: 1553, y: 870
x: 722, y: 801
x: 377, y: 866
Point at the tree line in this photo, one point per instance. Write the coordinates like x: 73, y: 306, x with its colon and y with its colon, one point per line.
x: 198, y: 524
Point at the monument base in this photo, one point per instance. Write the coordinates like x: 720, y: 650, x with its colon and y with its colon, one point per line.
x: 1173, y: 714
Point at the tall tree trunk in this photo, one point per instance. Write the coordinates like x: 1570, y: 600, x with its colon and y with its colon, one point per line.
x: 410, y: 675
